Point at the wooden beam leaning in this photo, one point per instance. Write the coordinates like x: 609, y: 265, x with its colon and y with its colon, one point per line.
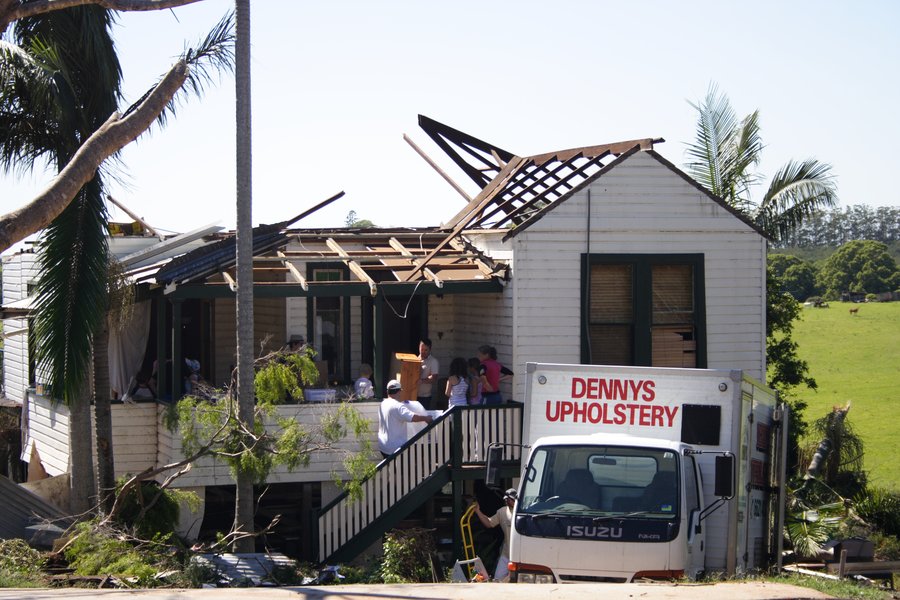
x: 440, y: 171
x: 354, y: 266
x: 295, y: 273
x: 473, y: 209
x: 135, y: 217
x: 403, y: 250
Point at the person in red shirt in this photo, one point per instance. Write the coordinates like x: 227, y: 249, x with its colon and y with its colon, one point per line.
x: 491, y: 374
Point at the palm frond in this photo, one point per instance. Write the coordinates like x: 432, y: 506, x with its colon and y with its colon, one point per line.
x: 726, y: 150
x: 28, y: 110
x: 71, y: 290
x: 743, y: 158
x: 212, y: 56
x: 76, y: 88
x: 796, y: 192
x: 808, y: 537
x: 716, y: 122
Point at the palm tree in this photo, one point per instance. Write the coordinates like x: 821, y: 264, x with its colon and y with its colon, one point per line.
x: 243, y: 504
x: 75, y: 52
x: 58, y: 84
x: 723, y: 159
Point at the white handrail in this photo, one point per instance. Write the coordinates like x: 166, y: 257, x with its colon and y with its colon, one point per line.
x: 414, y: 463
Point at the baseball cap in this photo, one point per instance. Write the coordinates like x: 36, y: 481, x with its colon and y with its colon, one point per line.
x: 511, y: 493
x: 394, y: 386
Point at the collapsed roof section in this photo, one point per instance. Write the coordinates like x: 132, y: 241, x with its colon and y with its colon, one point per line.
x: 391, y: 260
x: 516, y: 190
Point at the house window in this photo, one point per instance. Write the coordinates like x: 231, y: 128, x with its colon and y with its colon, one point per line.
x: 329, y: 324
x: 644, y: 310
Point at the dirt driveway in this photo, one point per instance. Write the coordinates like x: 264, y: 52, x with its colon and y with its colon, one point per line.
x: 448, y: 591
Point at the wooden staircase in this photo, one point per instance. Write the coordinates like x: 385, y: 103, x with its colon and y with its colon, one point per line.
x: 450, y: 450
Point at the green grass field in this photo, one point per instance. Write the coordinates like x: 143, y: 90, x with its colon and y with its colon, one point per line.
x: 856, y: 358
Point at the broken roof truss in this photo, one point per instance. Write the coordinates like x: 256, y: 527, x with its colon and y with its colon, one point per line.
x: 515, y: 190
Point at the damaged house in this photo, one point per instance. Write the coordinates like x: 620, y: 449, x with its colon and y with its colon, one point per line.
x: 606, y: 254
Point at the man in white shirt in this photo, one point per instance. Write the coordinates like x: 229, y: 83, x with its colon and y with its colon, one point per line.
x: 393, y: 415
x: 428, y: 375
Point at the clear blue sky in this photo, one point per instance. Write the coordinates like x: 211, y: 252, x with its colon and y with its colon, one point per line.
x: 336, y: 84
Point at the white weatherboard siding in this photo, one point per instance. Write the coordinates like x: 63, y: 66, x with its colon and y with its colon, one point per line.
x: 18, y: 271
x: 322, y: 464
x: 15, y: 360
x: 638, y: 207
x: 48, y: 431
x: 134, y: 437
x: 479, y: 319
x: 268, y: 325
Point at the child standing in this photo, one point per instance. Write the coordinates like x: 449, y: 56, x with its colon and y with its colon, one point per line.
x: 362, y: 388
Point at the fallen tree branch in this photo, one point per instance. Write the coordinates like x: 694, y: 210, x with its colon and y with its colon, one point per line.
x: 117, y: 132
x: 13, y: 10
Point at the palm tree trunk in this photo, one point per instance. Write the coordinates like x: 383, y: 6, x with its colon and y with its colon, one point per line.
x: 243, y: 504
x: 81, y: 468
x: 106, y: 471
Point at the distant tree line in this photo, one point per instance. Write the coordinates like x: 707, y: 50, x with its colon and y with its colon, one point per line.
x: 836, y: 227
x: 858, y: 267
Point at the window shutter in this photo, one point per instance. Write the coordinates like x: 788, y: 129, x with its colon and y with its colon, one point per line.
x: 612, y: 314
x: 672, y: 339
x: 611, y: 294
x: 673, y: 294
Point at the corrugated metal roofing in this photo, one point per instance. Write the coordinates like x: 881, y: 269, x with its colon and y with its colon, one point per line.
x: 21, y: 509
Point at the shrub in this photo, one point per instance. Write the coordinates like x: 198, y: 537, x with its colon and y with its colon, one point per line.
x: 880, y: 508
x: 887, y: 547
x: 407, y: 556
x: 20, y: 564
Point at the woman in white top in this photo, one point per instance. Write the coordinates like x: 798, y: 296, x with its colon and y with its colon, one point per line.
x: 457, y: 384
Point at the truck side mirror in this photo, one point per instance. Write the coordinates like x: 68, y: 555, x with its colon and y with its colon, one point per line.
x: 492, y: 469
x: 724, y: 484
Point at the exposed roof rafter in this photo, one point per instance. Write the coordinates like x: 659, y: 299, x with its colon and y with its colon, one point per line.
x: 294, y: 272
x: 535, y: 184
x: 395, y: 243
x: 354, y: 266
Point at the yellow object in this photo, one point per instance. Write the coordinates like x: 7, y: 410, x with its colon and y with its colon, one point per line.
x: 468, y: 540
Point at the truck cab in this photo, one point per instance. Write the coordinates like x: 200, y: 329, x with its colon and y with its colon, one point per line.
x: 597, y: 507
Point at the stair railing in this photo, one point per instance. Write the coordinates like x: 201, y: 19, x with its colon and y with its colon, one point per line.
x: 426, y: 452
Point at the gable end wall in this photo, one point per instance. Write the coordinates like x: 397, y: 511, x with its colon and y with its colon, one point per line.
x: 639, y: 207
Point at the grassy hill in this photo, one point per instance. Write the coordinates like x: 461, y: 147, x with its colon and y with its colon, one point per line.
x: 856, y: 358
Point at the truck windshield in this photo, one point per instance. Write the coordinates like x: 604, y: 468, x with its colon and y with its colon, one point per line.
x: 597, y: 481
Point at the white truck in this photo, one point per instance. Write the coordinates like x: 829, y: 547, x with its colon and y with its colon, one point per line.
x: 642, y: 472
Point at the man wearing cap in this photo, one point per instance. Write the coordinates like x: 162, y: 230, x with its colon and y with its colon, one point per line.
x: 393, y: 415
x: 503, y: 518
